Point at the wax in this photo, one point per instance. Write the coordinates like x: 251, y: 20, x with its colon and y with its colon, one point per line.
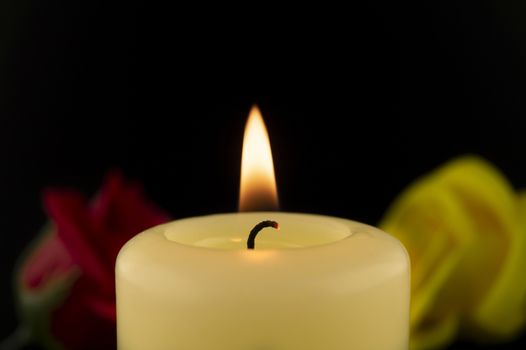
x: 319, y: 283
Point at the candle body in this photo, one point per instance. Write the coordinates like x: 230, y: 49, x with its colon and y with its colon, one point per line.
x: 320, y: 283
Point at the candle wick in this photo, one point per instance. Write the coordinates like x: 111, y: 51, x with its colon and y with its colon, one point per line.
x: 254, y: 232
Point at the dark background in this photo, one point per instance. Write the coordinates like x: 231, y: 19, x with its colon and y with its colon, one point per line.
x: 358, y: 102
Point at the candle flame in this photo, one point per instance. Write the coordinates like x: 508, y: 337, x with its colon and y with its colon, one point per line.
x: 258, y: 184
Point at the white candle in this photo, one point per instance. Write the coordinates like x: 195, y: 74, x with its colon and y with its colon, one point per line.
x: 320, y: 283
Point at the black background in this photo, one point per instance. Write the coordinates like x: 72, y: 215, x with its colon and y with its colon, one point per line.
x: 358, y: 102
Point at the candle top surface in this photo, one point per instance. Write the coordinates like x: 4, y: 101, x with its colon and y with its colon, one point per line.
x: 230, y: 231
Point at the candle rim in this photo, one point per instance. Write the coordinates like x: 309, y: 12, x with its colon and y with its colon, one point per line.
x: 283, y: 242
x: 351, y: 227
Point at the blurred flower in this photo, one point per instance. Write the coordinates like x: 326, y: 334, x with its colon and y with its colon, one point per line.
x: 463, y: 230
x: 65, y: 282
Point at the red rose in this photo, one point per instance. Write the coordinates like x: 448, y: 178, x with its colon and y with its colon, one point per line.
x: 66, y: 281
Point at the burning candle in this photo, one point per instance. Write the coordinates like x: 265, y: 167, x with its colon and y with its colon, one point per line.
x: 226, y: 282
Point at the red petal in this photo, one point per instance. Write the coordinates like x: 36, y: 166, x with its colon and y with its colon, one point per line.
x: 69, y: 212
x: 79, y: 326
x: 48, y: 260
x: 120, y: 212
x: 93, y: 235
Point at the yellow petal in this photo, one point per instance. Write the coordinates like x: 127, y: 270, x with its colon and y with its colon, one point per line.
x: 434, y: 333
x: 484, y: 285
x: 502, y: 314
x: 436, y: 231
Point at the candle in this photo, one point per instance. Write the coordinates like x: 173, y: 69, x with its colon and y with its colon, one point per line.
x: 319, y: 283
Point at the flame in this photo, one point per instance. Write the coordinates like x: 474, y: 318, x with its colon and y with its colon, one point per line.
x: 258, y: 184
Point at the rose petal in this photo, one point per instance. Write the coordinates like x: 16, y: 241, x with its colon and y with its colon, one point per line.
x: 435, y: 333
x: 92, y: 234
x: 436, y: 231
x: 77, y: 325
x: 121, y: 211
x: 482, y: 285
x: 48, y: 259
x: 68, y: 210
x: 491, y: 270
x: 502, y: 312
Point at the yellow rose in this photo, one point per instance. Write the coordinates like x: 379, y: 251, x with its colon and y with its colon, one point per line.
x: 466, y: 239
